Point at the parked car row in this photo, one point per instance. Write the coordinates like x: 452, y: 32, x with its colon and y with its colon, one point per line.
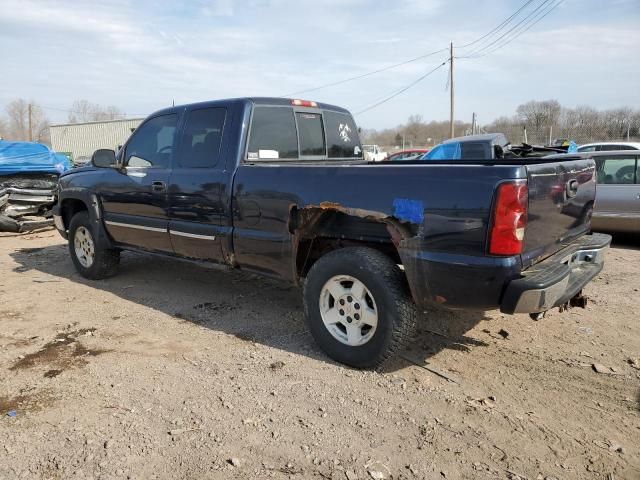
x: 412, y: 154
x: 374, y: 153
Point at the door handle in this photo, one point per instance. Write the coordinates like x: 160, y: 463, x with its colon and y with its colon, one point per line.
x: 158, y: 187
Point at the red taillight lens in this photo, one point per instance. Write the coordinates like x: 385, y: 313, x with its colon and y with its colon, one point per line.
x: 509, y: 219
x: 303, y: 103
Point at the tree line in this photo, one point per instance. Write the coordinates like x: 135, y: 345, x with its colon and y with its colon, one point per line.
x: 14, y: 124
x: 536, y: 122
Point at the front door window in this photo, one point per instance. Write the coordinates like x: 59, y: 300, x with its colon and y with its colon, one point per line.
x: 151, y: 145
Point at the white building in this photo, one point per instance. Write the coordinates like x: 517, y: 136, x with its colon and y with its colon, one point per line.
x: 82, y: 139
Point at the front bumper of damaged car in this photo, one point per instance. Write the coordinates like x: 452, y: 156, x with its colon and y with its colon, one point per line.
x: 554, y: 281
x: 26, y: 201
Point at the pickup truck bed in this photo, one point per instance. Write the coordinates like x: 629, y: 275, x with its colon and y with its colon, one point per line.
x: 371, y: 243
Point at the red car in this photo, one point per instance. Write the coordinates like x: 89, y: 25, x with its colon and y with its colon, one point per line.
x: 406, y: 155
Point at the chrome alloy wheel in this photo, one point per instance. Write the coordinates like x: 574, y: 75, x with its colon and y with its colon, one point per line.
x: 348, y: 310
x: 84, y: 247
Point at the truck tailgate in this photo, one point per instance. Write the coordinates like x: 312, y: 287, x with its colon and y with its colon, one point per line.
x: 561, y: 197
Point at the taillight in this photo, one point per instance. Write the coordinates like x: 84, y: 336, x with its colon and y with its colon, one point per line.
x: 303, y: 103
x: 509, y: 219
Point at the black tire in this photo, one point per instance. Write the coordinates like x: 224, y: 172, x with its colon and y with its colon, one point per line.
x: 105, y: 260
x: 8, y: 224
x: 396, y: 311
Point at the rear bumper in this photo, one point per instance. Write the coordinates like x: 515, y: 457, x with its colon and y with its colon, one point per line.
x: 555, y: 280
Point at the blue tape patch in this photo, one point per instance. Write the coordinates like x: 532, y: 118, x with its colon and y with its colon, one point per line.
x: 408, y: 210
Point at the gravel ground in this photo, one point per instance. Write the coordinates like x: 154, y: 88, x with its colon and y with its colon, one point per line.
x: 175, y: 370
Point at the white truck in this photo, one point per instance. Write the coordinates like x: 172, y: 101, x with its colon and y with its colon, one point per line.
x: 373, y: 153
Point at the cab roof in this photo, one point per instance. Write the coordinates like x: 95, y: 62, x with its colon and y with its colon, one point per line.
x: 278, y: 101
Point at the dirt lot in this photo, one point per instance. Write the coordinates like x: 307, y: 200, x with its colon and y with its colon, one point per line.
x: 173, y: 370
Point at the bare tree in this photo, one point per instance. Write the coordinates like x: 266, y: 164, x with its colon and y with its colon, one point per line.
x: 18, y: 122
x: 511, y: 127
x: 542, y: 119
x: 85, y: 111
x: 538, y: 117
x: 415, y: 132
x: 618, y: 122
x: 3, y: 129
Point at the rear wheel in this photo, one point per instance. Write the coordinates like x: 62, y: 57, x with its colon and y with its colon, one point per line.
x: 358, y: 306
x: 90, y: 259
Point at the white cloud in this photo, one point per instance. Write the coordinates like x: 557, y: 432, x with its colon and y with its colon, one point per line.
x: 142, y: 54
x: 217, y: 8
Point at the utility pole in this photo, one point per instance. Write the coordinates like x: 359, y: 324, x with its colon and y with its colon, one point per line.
x: 452, y: 133
x: 30, y: 127
x: 473, y: 124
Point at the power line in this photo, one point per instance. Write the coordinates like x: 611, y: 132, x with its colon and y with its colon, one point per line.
x: 499, y: 27
x: 402, y: 90
x: 411, y: 60
x: 522, y: 31
x: 477, y: 53
x: 357, y: 77
x: 489, y: 45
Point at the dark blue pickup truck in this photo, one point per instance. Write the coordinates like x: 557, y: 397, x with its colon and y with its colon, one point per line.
x: 280, y: 187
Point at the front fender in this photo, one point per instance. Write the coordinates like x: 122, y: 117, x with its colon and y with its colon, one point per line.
x: 81, y: 199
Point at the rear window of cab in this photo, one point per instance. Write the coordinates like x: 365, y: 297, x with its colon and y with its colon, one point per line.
x: 285, y: 133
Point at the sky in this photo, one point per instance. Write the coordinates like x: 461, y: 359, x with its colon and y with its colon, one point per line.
x: 143, y: 55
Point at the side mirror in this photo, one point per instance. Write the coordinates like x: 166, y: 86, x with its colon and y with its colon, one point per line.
x: 104, y: 158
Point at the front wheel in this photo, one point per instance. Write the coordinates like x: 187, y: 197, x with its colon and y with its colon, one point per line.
x: 358, y: 307
x: 90, y: 259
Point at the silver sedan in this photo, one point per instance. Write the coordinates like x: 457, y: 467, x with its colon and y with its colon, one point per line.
x: 617, y: 206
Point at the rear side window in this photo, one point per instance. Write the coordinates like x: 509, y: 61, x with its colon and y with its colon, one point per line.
x: 342, y: 135
x: 151, y: 145
x: 311, y: 134
x: 618, y: 170
x: 474, y: 151
x: 615, y: 147
x: 591, y: 148
x: 200, y: 147
x: 273, y: 134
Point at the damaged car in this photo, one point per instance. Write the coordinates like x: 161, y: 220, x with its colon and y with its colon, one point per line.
x: 280, y: 187
x: 28, y: 185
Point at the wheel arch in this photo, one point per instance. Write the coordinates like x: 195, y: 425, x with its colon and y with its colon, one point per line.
x: 81, y: 200
x: 319, y: 230
x: 69, y: 207
x: 86, y: 201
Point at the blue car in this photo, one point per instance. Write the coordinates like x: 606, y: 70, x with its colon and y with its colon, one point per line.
x: 28, y: 184
x: 472, y: 147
